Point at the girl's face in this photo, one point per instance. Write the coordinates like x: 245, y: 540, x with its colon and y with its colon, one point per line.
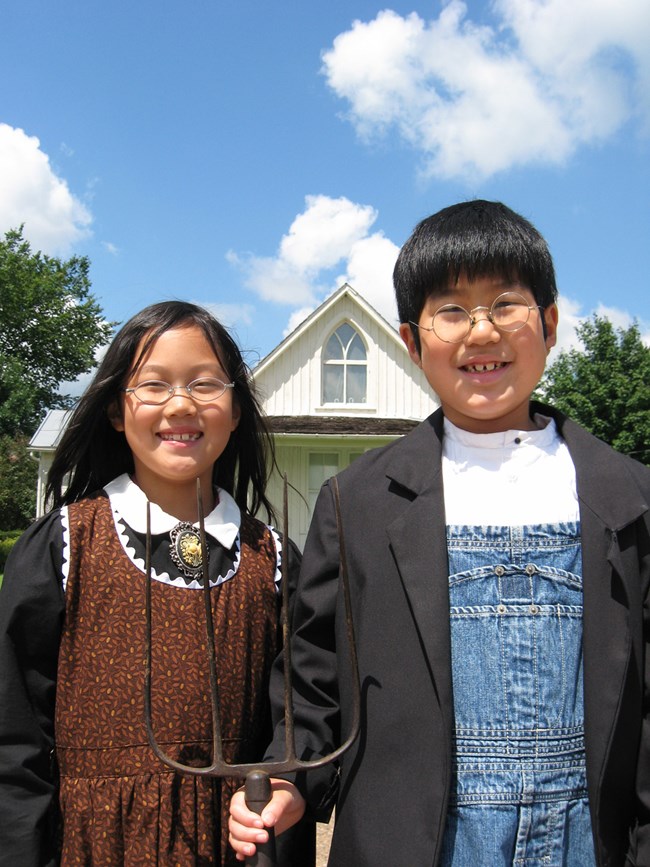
x: 180, y: 440
x: 484, y: 382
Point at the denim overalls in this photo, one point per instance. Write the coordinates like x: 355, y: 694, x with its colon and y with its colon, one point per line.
x: 518, y: 791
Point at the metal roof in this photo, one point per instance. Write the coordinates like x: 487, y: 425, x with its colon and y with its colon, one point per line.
x: 50, y: 430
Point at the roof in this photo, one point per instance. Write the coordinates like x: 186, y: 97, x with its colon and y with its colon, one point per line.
x: 50, y: 430
x: 340, y: 425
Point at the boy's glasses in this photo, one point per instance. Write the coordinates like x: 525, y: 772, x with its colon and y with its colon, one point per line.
x: 154, y: 392
x: 452, y: 323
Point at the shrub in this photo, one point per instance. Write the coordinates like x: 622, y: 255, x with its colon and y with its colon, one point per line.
x: 7, y: 541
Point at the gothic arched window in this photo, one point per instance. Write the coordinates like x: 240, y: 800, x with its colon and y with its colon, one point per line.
x: 345, y: 367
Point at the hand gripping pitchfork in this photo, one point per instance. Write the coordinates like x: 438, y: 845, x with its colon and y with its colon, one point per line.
x: 258, y: 786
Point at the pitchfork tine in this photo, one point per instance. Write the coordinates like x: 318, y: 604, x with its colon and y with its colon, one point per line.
x: 257, y: 774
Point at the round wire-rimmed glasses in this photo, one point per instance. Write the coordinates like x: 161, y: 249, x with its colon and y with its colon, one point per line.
x: 155, y: 392
x: 451, y: 323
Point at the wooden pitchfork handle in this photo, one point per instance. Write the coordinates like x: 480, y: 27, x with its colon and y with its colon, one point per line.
x: 257, y: 793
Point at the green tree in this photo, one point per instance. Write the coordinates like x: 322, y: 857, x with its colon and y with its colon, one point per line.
x: 51, y: 327
x: 18, y: 474
x: 605, y: 386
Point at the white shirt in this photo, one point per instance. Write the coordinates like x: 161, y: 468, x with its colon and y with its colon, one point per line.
x: 509, y: 478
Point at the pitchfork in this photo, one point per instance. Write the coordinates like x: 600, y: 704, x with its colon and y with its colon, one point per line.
x: 257, y: 774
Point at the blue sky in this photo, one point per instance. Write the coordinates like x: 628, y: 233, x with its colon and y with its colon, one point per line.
x: 252, y: 156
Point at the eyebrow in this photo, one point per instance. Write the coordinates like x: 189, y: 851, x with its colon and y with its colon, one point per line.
x: 162, y: 369
x: 505, y: 283
x: 455, y: 293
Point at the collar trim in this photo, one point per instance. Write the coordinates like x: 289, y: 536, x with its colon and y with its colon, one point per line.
x: 129, y: 502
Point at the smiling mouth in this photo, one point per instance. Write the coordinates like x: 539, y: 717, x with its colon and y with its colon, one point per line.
x: 484, y: 368
x: 180, y: 438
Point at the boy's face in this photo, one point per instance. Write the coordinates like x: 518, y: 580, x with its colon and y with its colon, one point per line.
x: 485, y: 381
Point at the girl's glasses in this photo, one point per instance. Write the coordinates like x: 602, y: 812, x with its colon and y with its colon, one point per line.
x: 154, y: 392
x: 452, y: 323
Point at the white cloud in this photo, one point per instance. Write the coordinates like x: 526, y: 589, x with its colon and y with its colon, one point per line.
x: 327, y: 233
x: 475, y: 100
x: 33, y: 194
x: 370, y: 264
x: 569, y: 319
x: 297, y: 318
x: 321, y: 236
x: 231, y: 315
x: 571, y: 316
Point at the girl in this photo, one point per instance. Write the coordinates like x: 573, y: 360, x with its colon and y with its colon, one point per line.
x: 171, y: 402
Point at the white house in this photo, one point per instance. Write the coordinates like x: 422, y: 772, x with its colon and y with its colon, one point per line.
x: 341, y: 383
x: 43, y: 445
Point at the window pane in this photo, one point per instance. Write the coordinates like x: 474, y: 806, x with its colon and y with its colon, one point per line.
x: 321, y: 468
x: 333, y: 348
x: 356, y: 349
x: 356, y: 383
x: 332, y: 383
x: 346, y: 333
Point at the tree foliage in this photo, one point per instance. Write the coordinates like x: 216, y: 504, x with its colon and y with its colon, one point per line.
x: 605, y: 386
x: 51, y: 327
x: 18, y: 474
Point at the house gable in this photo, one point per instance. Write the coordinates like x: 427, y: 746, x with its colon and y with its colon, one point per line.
x: 290, y: 379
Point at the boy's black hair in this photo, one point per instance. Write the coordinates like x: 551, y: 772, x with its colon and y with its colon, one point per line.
x: 477, y: 239
x: 92, y: 452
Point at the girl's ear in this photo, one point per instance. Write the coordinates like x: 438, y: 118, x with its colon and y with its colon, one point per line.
x: 236, y: 414
x: 114, y: 413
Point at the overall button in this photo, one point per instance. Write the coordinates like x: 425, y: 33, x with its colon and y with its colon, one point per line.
x: 530, y: 569
x: 501, y: 609
x: 534, y: 609
x: 499, y: 570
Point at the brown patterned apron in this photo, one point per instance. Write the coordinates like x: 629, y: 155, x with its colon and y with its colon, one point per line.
x: 121, y: 805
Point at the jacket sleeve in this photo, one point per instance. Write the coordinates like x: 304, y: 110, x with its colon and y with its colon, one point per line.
x: 314, y: 663
x: 642, y: 835
x: 31, y: 614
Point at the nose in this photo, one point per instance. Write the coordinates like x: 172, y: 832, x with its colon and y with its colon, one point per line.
x: 483, y: 331
x: 180, y: 403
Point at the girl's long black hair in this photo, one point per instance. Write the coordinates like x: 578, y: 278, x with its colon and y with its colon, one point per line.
x: 92, y: 452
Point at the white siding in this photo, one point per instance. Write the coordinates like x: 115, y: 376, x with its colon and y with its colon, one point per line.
x: 293, y: 454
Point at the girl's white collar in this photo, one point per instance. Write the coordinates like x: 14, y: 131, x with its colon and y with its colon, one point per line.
x: 130, y: 502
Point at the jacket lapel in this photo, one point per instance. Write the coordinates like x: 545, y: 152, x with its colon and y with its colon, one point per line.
x: 418, y: 541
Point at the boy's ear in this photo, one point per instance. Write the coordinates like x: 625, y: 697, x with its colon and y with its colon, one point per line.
x: 114, y: 413
x: 551, y: 316
x: 406, y: 333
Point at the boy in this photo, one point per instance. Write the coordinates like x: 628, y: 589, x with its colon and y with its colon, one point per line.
x: 500, y: 565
